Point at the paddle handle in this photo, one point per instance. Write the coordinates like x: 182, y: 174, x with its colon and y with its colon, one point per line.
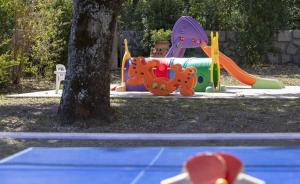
x: 181, y: 178
x: 249, y: 179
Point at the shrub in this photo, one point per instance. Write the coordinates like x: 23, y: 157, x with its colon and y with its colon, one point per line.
x: 40, y: 30
x: 64, y: 27
x: 6, y: 25
x: 160, y: 35
x: 130, y: 17
x: 257, y: 21
x: 261, y: 20
x: 47, y: 45
x: 222, y: 15
x: 5, y: 64
x: 159, y: 14
x: 294, y: 10
x: 6, y: 18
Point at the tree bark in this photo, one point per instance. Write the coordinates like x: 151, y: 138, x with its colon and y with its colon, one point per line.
x: 87, y: 86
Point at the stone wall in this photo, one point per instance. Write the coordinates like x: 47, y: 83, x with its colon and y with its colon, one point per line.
x: 228, y: 44
x: 286, y: 46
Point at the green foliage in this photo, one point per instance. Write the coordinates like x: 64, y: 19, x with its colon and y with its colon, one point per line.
x: 257, y: 21
x: 160, y: 35
x: 64, y: 27
x: 47, y: 46
x: 294, y: 10
x: 160, y: 14
x: 35, y: 34
x: 6, y: 30
x: 6, y: 18
x: 5, y: 64
x: 6, y: 25
x: 130, y: 17
x: 261, y: 20
x: 5, y: 45
x: 217, y: 14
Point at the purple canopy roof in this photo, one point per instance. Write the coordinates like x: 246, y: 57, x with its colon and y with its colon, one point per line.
x: 186, y: 33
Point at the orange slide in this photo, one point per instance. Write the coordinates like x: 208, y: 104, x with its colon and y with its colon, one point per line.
x: 232, y: 68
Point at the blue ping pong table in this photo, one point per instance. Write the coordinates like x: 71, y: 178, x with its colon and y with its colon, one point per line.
x: 275, y: 165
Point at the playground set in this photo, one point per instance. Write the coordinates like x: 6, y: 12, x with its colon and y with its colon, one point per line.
x: 165, y: 165
x: 162, y: 76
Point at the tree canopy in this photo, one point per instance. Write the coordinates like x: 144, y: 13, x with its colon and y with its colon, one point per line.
x: 34, y: 35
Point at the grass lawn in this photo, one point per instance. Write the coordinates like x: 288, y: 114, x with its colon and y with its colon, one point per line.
x: 154, y: 115
x: 166, y: 115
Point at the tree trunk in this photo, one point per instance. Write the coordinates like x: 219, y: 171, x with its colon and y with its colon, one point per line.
x: 16, y: 70
x: 87, y: 86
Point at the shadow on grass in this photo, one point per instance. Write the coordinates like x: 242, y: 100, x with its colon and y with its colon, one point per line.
x: 209, y: 115
x: 28, y: 85
x: 31, y: 117
x: 164, y: 115
x: 155, y: 116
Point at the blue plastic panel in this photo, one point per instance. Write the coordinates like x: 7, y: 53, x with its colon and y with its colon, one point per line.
x: 275, y: 165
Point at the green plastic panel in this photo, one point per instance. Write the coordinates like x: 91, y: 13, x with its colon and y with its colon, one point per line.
x: 263, y: 83
x: 202, y: 65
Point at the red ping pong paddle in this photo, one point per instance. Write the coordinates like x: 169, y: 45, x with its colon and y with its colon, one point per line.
x: 206, y: 168
x: 234, y: 166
